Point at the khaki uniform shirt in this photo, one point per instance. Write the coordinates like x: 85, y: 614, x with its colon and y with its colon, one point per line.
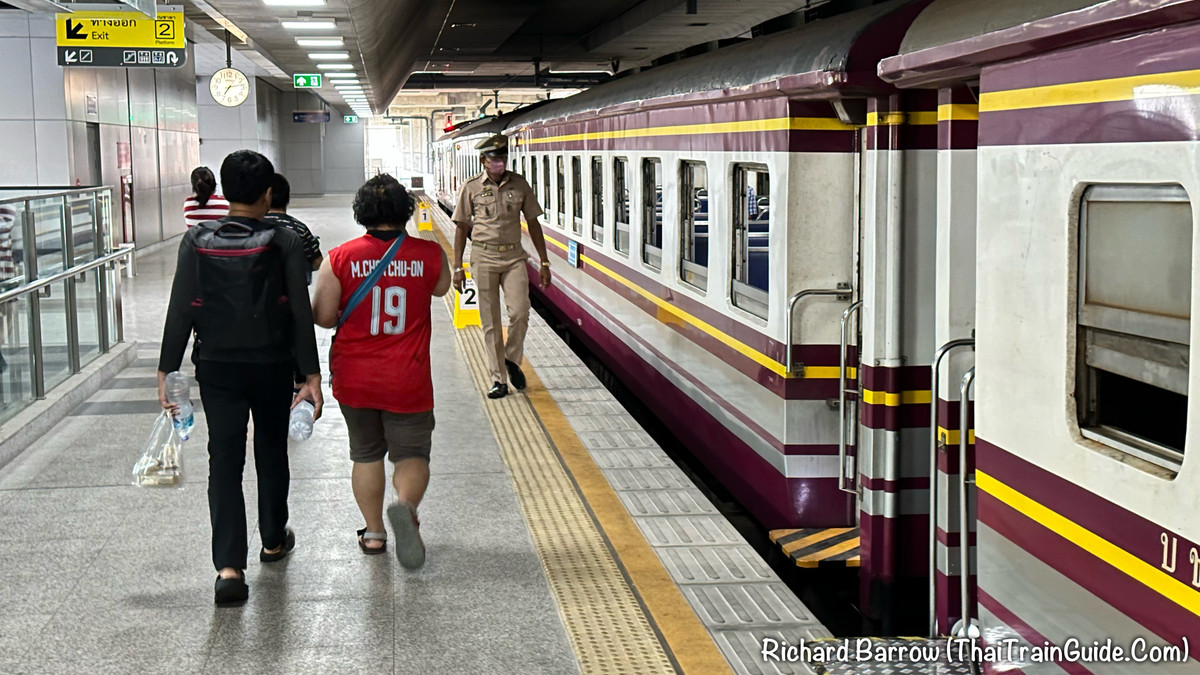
x: 494, y: 209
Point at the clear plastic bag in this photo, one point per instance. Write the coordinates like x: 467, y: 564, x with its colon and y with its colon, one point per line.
x: 161, y: 462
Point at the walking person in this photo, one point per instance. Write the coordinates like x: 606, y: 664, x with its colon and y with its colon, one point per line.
x: 205, y: 203
x: 376, y: 290
x: 489, y: 209
x: 281, y: 196
x: 239, y: 285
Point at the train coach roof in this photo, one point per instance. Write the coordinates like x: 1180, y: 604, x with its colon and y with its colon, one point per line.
x: 827, y: 51
x: 489, y: 125
x: 952, y: 40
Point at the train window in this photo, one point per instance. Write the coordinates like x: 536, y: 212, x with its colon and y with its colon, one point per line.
x: 533, y: 181
x: 751, y: 236
x: 598, y: 200
x: 561, y: 191
x: 693, y: 219
x: 546, y: 186
x: 652, y: 213
x: 1134, y: 319
x: 577, y: 195
x: 621, y: 203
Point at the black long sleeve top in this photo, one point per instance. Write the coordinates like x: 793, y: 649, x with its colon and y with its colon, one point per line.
x: 301, y: 348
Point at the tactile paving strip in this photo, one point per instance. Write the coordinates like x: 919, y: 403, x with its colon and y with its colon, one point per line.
x: 605, y: 622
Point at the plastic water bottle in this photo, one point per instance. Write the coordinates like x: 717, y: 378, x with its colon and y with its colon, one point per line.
x: 301, y: 425
x: 178, y: 387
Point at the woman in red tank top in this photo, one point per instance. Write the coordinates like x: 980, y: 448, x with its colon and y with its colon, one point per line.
x: 380, y: 360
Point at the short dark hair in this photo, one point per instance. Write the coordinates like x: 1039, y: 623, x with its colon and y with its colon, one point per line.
x: 383, y: 201
x: 281, y: 192
x: 245, y: 176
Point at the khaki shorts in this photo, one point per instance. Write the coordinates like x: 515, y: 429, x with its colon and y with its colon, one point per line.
x: 376, y: 433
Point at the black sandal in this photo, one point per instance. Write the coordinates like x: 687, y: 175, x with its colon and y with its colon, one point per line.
x: 289, y: 543
x: 379, y: 536
x: 231, y: 592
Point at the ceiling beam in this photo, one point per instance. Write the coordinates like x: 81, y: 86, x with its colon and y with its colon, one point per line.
x: 628, y: 20
x: 503, y: 82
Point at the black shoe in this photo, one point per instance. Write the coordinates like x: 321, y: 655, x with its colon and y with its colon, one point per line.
x: 289, y: 543
x: 515, y: 375
x: 231, y: 592
x: 498, y: 390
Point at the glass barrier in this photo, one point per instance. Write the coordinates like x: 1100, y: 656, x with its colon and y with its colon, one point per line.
x: 60, y: 289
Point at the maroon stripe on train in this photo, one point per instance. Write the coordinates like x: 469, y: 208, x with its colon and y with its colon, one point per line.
x: 1109, y: 122
x: 951, y: 539
x: 894, y: 418
x: 949, y: 594
x: 952, y: 95
x: 746, y: 141
x: 902, y: 137
x: 958, y: 134
x: 947, y: 460
x: 1172, y: 50
x: 1127, y: 595
x: 962, y: 60
x: 790, y: 388
x: 895, y: 380
x: 888, y: 553
x: 907, y: 483
x: 1031, y: 635
x: 776, y: 501
x: 948, y: 414
x: 1125, y: 529
x: 712, y: 113
x: 732, y: 408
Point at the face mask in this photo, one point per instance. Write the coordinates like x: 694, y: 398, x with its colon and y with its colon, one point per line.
x: 496, y: 166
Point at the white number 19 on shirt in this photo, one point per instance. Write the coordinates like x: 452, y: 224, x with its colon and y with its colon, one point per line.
x: 394, y: 298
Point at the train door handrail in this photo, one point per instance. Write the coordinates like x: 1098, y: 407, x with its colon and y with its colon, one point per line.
x: 843, y: 293
x: 964, y: 539
x: 842, y: 482
x: 933, y: 472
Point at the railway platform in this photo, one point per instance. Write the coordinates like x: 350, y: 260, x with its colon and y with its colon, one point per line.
x: 560, y: 537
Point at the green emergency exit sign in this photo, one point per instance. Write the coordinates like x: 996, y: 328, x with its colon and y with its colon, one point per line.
x: 307, y: 81
x: 350, y: 119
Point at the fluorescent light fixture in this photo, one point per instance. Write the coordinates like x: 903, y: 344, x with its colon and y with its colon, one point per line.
x: 293, y: 3
x: 442, y: 72
x: 347, y: 87
x: 580, y: 72
x: 324, y: 24
x: 335, y: 66
x: 333, y: 56
x: 320, y: 42
x: 342, y: 76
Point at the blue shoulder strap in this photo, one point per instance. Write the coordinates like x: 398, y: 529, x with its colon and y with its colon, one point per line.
x: 369, y: 283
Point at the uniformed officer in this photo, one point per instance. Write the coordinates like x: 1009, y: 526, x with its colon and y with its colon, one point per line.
x: 489, y: 210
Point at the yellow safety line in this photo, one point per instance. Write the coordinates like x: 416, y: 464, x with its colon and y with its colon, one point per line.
x: 772, y: 124
x: 814, y: 539
x: 887, y: 398
x: 1146, y: 573
x: 958, y: 111
x: 688, y: 639
x: 1159, y: 85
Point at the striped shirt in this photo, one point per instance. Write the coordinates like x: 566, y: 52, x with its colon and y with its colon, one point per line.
x: 194, y: 214
x: 312, y: 244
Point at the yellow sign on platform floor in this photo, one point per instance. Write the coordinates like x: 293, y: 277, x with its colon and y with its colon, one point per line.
x: 130, y: 30
x: 466, y: 304
x: 424, y: 217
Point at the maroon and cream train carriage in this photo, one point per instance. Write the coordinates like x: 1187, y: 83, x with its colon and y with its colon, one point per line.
x: 1074, y: 222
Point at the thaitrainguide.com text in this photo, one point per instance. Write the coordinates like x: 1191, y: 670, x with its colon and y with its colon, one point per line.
x: 954, y: 650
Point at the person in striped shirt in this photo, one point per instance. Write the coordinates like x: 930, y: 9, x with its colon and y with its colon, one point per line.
x: 205, y: 204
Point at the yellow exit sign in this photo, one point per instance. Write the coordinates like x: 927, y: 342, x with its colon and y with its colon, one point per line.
x: 126, y: 30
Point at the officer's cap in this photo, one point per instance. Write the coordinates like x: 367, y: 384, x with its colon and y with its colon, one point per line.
x: 494, y: 146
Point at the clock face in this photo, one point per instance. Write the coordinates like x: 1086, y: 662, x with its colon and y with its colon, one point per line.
x: 229, y: 87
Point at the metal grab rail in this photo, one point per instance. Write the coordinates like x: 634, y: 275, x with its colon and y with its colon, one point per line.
x: 121, y: 252
x: 964, y: 540
x: 842, y: 482
x: 843, y: 293
x: 933, y: 472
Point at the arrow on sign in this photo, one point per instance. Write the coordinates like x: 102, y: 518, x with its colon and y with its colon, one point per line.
x: 71, y: 56
x: 75, y: 31
x: 302, y: 81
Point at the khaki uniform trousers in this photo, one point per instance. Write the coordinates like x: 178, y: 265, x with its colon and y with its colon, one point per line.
x: 492, y: 271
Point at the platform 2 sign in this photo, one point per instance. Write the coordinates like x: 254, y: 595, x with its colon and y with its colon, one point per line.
x: 466, y: 304
x: 121, y: 39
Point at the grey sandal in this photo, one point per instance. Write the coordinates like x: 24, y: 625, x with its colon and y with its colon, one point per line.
x: 363, y: 535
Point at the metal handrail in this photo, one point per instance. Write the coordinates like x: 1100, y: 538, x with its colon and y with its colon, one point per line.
x: 933, y: 472
x: 856, y: 306
x: 63, y: 193
x: 964, y: 548
x: 121, y: 252
x: 843, y: 290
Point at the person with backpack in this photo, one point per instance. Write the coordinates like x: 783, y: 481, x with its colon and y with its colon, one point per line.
x: 239, y: 286
x: 376, y: 290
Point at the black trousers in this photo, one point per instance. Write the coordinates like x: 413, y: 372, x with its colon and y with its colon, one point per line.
x: 231, y: 392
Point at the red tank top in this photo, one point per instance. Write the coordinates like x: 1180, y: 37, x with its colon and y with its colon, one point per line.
x: 380, y: 359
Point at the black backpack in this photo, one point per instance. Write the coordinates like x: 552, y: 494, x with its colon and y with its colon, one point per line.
x: 241, y: 299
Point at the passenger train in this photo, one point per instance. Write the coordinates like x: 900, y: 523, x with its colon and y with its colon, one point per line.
x: 816, y: 254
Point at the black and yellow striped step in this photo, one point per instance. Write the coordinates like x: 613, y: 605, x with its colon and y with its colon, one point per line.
x: 820, y: 547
